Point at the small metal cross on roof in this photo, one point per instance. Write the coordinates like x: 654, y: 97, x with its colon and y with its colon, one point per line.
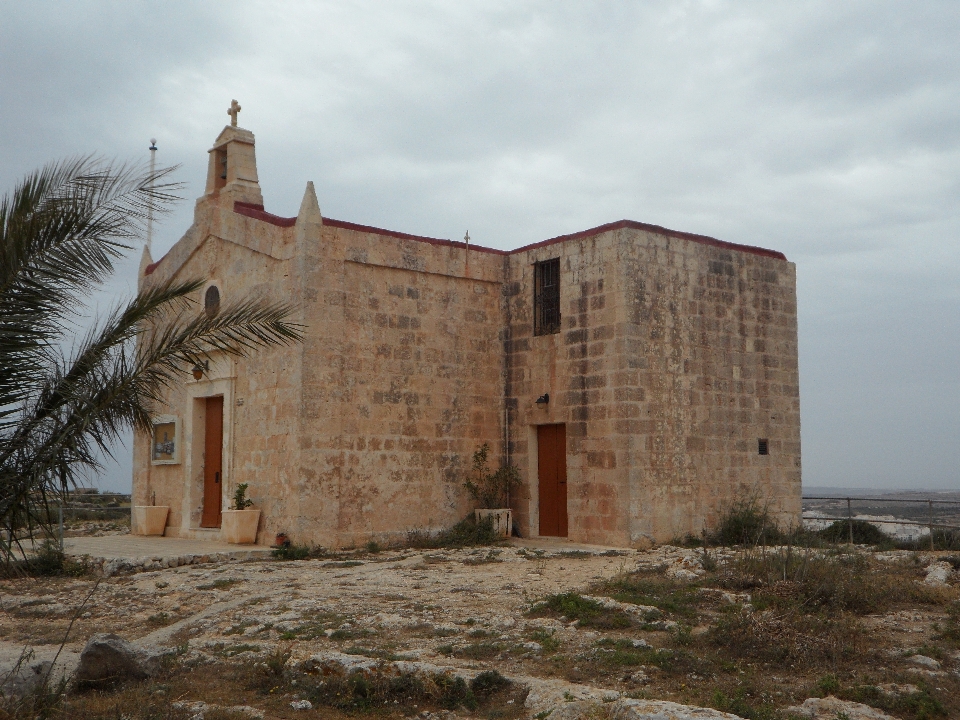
x: 233, y: 111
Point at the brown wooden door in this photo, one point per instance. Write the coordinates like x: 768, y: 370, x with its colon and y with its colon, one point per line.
x: 213, y: 463
x: 552, y: 472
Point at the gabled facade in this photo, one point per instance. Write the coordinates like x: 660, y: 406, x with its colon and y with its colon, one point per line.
x: 665, y: 365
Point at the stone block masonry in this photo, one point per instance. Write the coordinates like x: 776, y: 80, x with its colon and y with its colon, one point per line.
x: 670, y: 363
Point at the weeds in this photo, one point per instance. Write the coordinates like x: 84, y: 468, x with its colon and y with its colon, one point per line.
x: 863, y: 534
x: 483, y: 559
x: 739, y: 704
x: 747, y: 522
x: 466, y: 533
x: 790, y: 638
x: 220, y: 584
x: 48, y: 561
x: 589, y: 613
x: 682, y: 601
x: 364, y: 691
x: 921, y: 704
x: 950, y: 628
x: 545, y: 639
x: 817, y: 581
x: 277, y: 660
x: 478, y: 651
x: 291, y: 552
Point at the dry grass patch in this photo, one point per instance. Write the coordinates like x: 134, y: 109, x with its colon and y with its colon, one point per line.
x: 759, y: 632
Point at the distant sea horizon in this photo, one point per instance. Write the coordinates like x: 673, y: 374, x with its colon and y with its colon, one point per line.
x: 833, y: 491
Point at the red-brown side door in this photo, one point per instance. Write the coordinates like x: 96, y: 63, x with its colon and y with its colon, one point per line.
x: 213, y: 463
x: 552, y: 479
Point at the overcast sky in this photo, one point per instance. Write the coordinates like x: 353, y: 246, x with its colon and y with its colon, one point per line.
x: 827, y: 130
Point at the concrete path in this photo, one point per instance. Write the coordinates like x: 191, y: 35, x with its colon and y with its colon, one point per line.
x: 128, y: 547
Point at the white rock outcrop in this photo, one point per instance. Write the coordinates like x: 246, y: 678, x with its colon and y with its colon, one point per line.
x: 938, y: 573
x: 830, y: 708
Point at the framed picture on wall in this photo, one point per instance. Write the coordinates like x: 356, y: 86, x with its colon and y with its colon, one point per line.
x: 165, y: 443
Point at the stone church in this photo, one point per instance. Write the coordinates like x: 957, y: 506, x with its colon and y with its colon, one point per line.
x: 640, y: 378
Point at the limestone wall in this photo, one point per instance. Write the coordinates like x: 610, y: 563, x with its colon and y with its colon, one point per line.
x: 582, y: 370
x: 261, y: 393
x: 673, y: 359
x: 714, y: 335
x: 403, y: 384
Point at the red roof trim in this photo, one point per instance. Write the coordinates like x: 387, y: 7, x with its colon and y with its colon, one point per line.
x: 152, y: 266
x: 258, y: 213
x: 330, y: 222
x: 632, y: 224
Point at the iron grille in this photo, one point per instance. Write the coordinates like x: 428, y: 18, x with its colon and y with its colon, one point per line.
x: 763, y: 447
x: 546, y: 297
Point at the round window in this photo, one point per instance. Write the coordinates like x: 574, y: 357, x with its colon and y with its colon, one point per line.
x: 211, y: 301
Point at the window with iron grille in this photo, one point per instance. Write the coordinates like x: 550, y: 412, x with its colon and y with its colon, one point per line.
x: 546, y: 297
x: 763, y: 448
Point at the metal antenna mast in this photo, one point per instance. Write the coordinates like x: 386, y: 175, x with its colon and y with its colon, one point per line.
x: 153, y: 167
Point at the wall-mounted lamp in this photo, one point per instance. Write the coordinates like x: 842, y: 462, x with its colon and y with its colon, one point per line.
x: 198, y: 369
x: 543, y: 399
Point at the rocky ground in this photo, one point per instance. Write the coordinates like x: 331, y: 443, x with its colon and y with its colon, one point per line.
x: 581, y: 632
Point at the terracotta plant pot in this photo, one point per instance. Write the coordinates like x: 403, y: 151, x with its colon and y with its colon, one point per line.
x: 239, y: 526
x: 502, y: 519
x: 150, y: 519
x: 281, y: 540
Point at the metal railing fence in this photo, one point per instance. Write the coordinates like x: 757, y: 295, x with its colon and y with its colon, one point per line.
x: 929, y: 524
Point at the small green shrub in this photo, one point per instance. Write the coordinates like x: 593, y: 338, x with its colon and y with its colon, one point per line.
x: 361, y: 691
x: 546, y: 640
x: 863, y: 533
x: 588, y: 612
x: 291, y: 552
x: 466, y: 533
x: 240, y: 500
x: 747, y: 522
x: 491, y: 490
x: 488, y: 683
x: 276, y: 660
x: 47, y: 561
x: 739, y: 704
x: 922, y: 704
x: 828, y: 685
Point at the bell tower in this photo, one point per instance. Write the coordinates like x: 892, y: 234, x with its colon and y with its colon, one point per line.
x: 232, y: 169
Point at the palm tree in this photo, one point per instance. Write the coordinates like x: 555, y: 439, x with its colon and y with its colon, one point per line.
x: 61, y: 230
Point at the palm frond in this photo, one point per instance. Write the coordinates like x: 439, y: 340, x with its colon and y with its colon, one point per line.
x: 60, y: 232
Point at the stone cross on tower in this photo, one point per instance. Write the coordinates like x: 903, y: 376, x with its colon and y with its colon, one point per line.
x: 233, y: 112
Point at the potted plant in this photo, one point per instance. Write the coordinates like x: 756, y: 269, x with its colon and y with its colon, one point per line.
x: 150, y: 519
x: 491, y: 490
x: 239, y: 524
